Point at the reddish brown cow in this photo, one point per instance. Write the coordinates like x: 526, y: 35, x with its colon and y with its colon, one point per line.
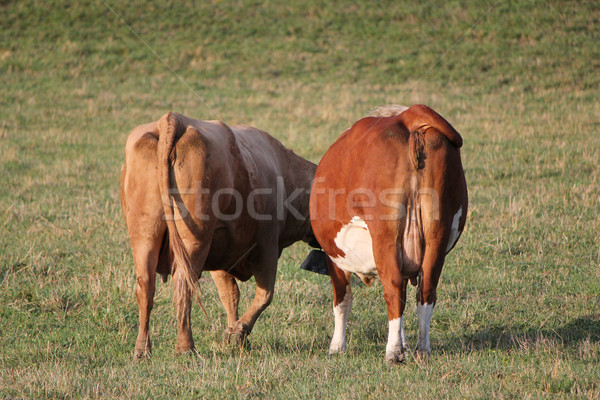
x: 200, y: 195
x: 389, y: 199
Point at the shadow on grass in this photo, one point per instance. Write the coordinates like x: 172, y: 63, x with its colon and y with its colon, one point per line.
x: 507, y: 338
x: 372, y: 338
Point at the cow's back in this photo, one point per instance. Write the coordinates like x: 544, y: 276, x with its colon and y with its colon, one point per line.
x: 243, y: 165
x: 278, y: 175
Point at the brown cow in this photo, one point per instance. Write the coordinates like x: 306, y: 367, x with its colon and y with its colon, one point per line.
x: 200, y: 195
x: 389, y: 199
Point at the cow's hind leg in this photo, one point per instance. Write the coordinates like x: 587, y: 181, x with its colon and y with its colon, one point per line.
x: 146, y: 259
x: 146, y: 233
x: 265, y: 271
x: 229, y: 293
x: 342, y: 305
x: 394, y: 293
x: 396, y: 333
x: 433, y: 260
x: 141, y: 203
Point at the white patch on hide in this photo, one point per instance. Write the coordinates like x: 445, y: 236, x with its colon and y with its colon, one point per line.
x: 454, y: 233
x: 355, y: 241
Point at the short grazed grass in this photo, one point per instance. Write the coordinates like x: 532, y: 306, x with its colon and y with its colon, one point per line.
x: 519, y: 300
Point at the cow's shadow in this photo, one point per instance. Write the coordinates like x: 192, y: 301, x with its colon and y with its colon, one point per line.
x: 502, y: 338
x: 498, y: 337
x: 509, y: 338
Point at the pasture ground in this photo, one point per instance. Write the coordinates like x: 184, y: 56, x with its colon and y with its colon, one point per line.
x: 519, y: 308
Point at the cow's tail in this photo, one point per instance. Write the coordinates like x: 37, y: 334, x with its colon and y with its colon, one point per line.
x: 412, y: 247
x: 418, y: 119
x: 170, y: 128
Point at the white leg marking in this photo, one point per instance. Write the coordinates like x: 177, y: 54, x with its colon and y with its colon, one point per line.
x: 424, y: 313
x: 454, y: 230
x: 341, y: 313
x: 396, y: 340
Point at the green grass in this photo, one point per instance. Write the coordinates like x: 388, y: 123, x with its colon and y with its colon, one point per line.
x: 519, y: 300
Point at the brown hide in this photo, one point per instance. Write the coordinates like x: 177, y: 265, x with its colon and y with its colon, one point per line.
x: 402, y: 175
x: 200, y: 195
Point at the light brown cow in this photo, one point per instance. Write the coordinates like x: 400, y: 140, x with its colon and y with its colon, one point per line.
x: 200, y: 195
x: 389, y: 199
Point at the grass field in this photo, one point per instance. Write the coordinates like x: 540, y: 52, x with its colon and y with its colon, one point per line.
x: 519, y: 300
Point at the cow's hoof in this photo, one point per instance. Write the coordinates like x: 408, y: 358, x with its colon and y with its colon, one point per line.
x: 393, y: 358
x: 337, y: 347
x: 185, y: 350
x: 422, y: 354
x: 141, y: 354
x: 336, y: 351
x: 237, y: 336
x: 239, y: 339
